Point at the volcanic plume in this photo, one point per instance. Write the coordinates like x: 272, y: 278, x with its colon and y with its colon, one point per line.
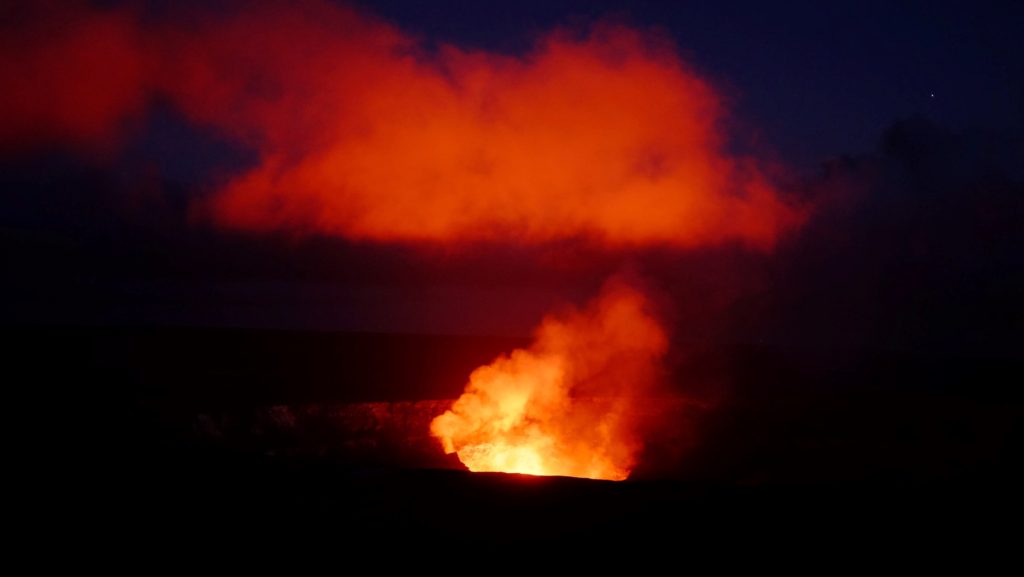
x: 600, y: 133
x: 565, y: 406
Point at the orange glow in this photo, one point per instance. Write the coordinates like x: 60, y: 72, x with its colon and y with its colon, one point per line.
x: 563, y: 406
x: 364, y: 133
x: 70, y: 75
x: 361, y: 131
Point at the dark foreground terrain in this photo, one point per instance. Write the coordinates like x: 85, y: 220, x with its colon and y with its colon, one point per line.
x: 168, y: 436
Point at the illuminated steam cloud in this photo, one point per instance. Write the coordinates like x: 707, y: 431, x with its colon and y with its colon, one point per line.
x: 361, y: 131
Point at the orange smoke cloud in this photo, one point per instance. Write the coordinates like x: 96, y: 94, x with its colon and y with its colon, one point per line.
x: 363, y: 132
x: 565, y: 406
x: 606, y: 136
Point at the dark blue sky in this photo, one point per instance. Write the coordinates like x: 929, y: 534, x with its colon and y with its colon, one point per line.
x: 808, y: 79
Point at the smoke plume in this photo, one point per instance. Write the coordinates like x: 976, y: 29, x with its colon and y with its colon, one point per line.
x: 364, y: 132
x: 567, y: 405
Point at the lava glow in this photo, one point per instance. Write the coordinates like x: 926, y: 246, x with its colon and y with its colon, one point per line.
x: 563, y: 406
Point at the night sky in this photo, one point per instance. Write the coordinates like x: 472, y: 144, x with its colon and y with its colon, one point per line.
x: 809, y: 80
x: 887, y: 135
